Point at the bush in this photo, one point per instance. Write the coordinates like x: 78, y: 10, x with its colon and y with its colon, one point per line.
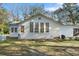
x: 6, y: 31
x: 62, y: 36
x: 77, y: 38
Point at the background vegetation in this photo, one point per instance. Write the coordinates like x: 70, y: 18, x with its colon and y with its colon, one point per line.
x: 69, y: 11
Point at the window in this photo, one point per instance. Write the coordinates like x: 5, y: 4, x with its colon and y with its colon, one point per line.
x: 41, y: 27
x: 12, y: 29
x: 47, y: 27
x: 22, y: 28
x: 15, y: 29
x: 39, y: 18
x: 31, y: 26
x: 77, y: 10
x: 75, y: 31
x: 36, y: 27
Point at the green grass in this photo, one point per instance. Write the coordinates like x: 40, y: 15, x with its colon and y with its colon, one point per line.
x: 35, y: 48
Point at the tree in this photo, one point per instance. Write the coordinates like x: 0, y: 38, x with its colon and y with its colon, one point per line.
x: 25, y: 10
x: 3, y: 15
x: 3, y: 19
x: 58, y: 14
x: 37, y: 9
x: 68, y: 13
x: 70, y: 10
x: 14, y: 14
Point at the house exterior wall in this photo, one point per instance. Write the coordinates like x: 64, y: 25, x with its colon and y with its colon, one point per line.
x: 13, y: 34
x: 53, y: 29
x: 67, y: 31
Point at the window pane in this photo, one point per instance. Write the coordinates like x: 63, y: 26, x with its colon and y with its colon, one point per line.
x: 47, y: 27
x: 15, y: 29
x: 12, y: 29
x: 22, y: 28
x: 37, y: 27
x: 42, y: 27
x: 75, y: 31
x: 31, y: 26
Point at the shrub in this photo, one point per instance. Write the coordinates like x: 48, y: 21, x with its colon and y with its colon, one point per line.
x: 77, y: 38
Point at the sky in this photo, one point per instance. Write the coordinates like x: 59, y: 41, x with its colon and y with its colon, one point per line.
x: 47, y: 6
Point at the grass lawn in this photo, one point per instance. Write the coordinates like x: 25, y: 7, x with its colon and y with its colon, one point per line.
x: 39, y: 48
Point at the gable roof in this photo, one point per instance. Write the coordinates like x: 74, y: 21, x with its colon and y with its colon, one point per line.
x: 39, y: 14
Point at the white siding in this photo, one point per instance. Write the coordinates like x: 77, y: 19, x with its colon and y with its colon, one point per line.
x: 67, y: 31
x: 53, y: 30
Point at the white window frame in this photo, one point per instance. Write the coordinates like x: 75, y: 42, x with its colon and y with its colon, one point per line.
x: 39, y: 27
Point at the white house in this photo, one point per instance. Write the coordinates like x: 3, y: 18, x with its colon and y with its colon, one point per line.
x: 41, y: 26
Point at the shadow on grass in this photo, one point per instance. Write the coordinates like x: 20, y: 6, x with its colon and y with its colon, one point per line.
x: 26, y: 50
x: 62, y: 49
